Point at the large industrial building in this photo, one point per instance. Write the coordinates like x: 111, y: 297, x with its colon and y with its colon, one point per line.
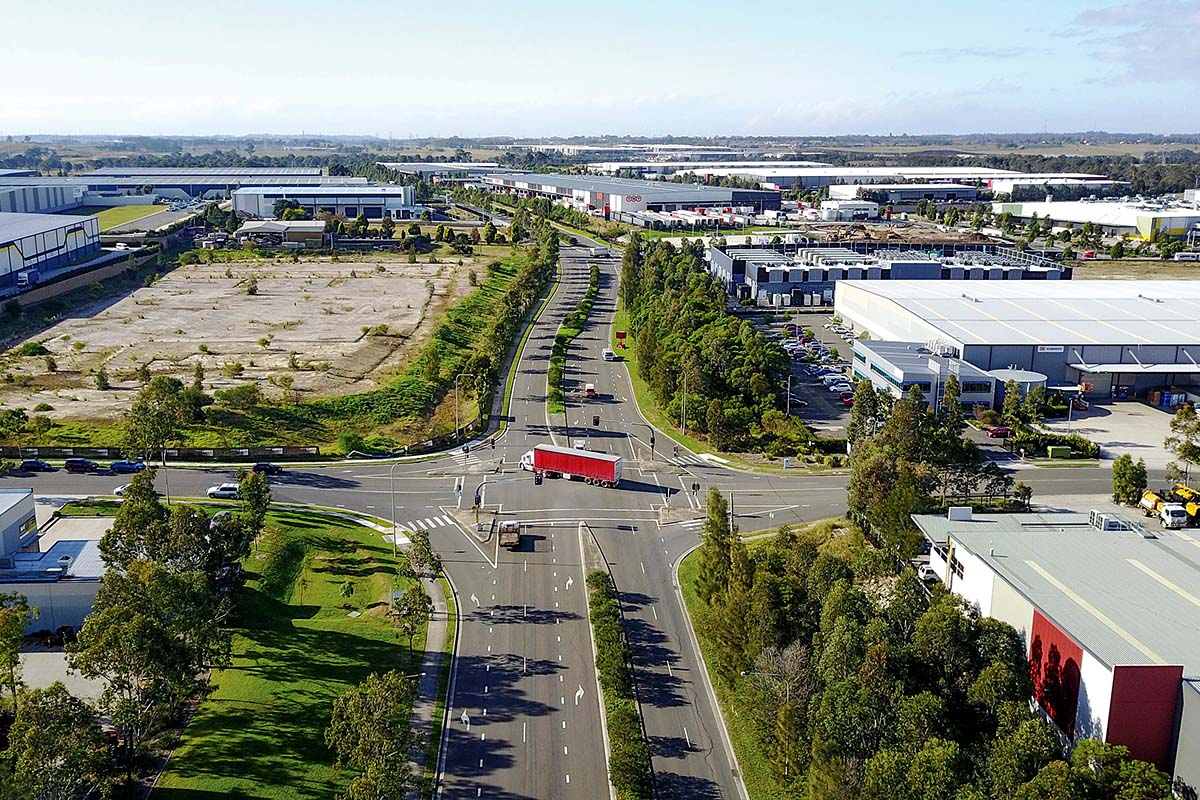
x: 603, y: 195
x: 808, y: 277
x: 904, y: 192
x: 374, y: 202
x: 698, y: 167
x: 1121, y: 338
x: 182, y: 184
x: 1107, y: 611
x: 445, y: 169
x: 42, y: 241
x: 40, y: 199
x: 1143, y: 219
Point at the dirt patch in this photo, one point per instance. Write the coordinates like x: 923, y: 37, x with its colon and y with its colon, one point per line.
x: 312, y: 328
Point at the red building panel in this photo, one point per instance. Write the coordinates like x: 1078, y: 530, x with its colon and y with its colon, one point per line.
x: 1142, y: 713
x: 1054, y: 664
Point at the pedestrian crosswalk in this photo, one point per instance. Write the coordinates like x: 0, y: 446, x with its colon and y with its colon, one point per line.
x: 426, y: 524
x: 694, y: 523
x: 685, y: 461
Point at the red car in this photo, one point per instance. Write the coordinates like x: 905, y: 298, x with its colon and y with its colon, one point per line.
x: 847, y: 400
x: 999, y: 432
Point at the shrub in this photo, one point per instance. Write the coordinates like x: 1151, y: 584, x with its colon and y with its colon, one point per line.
x: 51, y: 364
x: 252, y: 286
x: 351, y: 441
x: 43, y: 407
x: 12, y: 307
x: 233, y: 369
x: 31, y: 348
x: 243, y: 398
x: 101, y: 378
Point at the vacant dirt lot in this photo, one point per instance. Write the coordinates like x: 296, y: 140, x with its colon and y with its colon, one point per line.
x: 299, y: 335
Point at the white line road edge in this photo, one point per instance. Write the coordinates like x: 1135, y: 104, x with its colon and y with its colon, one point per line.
x: 587, y: 604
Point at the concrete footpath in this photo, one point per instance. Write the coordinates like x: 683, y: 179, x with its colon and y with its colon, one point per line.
x: 431, y: 672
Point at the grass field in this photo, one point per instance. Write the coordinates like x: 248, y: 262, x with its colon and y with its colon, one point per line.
x: 1134, y: 269
x: 260, y: 733
x: 111, y: 217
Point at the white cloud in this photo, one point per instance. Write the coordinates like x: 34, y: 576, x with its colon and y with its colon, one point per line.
x: 1152, y: 41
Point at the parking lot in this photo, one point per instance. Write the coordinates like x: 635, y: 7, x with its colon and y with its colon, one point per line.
x: 1122, y: 427
x: 821, y: 409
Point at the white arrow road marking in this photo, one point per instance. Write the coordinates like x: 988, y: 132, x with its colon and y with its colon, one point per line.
x: 466, y: 720
x: 579, y: 694
x: 569, y: 582
x: 474, y: 599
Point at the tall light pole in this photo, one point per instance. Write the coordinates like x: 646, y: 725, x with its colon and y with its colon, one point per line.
x: 457, y: 426
x: 392, y: 482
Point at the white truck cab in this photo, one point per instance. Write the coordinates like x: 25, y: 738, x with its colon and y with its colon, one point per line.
x: 1173, y: 515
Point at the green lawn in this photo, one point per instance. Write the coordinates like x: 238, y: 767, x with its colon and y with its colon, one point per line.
x: 111, y: 217
x: 260, y: 733
x: 753, y: 758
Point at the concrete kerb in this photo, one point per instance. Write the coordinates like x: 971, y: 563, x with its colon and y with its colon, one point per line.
x: 703, y: 669
x: 448, y: 708
x: 430, y: 675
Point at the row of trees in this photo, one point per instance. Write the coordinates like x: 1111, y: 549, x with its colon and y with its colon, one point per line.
x: 688, y: 344
x: 906, y: 459
x: 858, y: 685
x: 157, y: 626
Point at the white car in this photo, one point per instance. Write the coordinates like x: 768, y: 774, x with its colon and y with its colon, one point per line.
x: 927, y: 573
x: 840, y: 387
x: 120, y: 490
x: 224, y: 491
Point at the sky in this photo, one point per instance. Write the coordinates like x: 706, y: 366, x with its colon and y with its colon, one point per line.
x: 644, y: 67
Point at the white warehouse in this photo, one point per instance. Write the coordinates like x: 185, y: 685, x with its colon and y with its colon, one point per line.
x: 374, y: 202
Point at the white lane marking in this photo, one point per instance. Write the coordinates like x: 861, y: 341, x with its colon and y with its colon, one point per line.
x: 474, y: 599
x: 643, y: 566
x: 523, y: 738
x: 652, y: 611
x: 570, y: 580
x: 568, y: 777
x: 688, y: 738
x: 466, y: 719
x: 423, y: 526
x: 579, y: 694
x: 564, y: 749
x: 430, y: 523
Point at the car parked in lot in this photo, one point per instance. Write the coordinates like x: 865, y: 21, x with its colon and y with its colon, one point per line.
x: 840, y: 387
x: 927, y: 573
x: 125, y: 466
x: 37, y: 465
x: 81, y: 465
x: 224, y: 491
x: 267, y: 468
x: 998, y: 432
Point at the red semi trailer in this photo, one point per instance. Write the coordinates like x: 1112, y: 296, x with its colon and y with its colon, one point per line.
x: 601, y: 469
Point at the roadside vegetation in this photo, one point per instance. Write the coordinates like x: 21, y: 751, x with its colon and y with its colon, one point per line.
x: 629, y: 766
x: 571, y: 327
x: 841, y: 677
x: 1025, y: 415
x: 687, y: 344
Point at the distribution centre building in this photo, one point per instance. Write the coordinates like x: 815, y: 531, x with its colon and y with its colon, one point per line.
x: 374, y: 202
x: 904, y: 192
x: 1145, y: 219
x: 41, y: 241
x: 1122, y: 338
x: 184, y: 184
x: 809, y: 276
x: 1107, y: 613
x: 49, y: 199
x: 603, y: 195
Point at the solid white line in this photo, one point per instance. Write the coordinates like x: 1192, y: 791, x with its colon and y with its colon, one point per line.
x: 652, y: 611
x: 430, y: 523
x: 523, y: 739
x: 643, y: 566
x: 688, y: 738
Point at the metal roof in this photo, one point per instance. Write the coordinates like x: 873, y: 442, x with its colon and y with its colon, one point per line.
x: 183, y: 179
x: 1100, y: 212
x: 1044, y: 312
x: 606, y: 185
x: 171, y: 172
x: 1125, y: 599
x: 361, y: 190
x: 18, y: 226
x: 85, y: 564
x: 913, y: 358
x: 9, y: 498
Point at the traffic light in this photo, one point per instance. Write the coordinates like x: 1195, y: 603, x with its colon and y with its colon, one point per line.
x: 595, y: 420
x: 537, y: 478
x: 478, y: 501
x: 652, y: 440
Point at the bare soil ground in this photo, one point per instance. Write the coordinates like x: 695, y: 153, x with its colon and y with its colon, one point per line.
x: 305, y: 323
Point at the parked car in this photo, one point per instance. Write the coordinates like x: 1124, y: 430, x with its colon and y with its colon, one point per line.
x: 267, y: 468
x: 927, y: 573
x: 224, y: 491
x: 126, y: 466
x: 998, y: 432
x: 80, y: 465
x: 847, y: 402
x: 840, y: 387
x: 37, y: 465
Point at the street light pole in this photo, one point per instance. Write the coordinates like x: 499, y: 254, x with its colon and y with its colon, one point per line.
x: 457, y: 426
x: 392, y: 481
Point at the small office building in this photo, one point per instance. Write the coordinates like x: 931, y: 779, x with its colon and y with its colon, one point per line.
x: 43, y: 241
x: 372, y: 201
x: 896, y: 367
x: 60, y: 582
x: 1107, y: 613
x: 1122, y: 338
x: 848, y: 210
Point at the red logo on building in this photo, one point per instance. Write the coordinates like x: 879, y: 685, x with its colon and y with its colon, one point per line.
x: 633, y: 198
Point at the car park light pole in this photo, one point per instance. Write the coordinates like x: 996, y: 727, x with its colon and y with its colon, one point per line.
x: 392, y: 482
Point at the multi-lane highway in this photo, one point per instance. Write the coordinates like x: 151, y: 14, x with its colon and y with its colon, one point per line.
x: 525, y: 715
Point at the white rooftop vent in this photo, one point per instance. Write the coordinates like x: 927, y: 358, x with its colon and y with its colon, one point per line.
x: 959, y: 513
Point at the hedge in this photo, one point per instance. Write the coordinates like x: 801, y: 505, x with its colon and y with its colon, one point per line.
x: 629, y: 756
x: 1036, y: 442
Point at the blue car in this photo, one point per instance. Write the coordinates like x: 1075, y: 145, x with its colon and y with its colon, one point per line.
x: 124, y: 466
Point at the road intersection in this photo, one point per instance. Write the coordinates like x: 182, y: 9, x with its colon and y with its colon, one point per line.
x: 524, y: 710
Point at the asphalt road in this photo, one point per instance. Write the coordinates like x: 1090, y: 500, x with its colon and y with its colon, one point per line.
x: 525, y: 713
